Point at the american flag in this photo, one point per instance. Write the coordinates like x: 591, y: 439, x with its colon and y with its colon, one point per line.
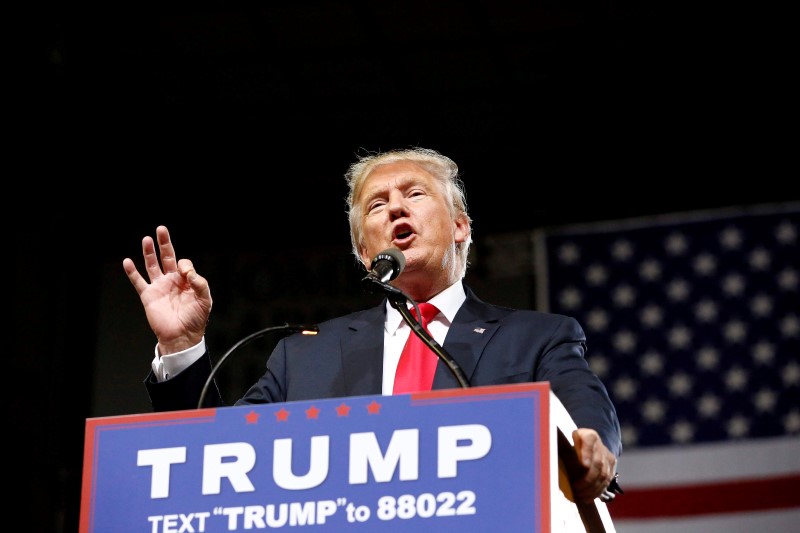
x: 693, y: 324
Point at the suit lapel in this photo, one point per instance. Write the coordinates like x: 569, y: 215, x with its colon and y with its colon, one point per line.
x: 362, y: 353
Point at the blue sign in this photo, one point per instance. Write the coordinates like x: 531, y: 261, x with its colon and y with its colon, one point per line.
x: 473, y: 459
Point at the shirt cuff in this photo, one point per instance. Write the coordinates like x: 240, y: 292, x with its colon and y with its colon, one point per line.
x: 169, y: 366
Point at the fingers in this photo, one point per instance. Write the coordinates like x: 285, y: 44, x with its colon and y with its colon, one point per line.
x: 169, y: 262
x: 199, y: 283
x: 599, y: 462
x: 155, y: 269
x: 135, y: 278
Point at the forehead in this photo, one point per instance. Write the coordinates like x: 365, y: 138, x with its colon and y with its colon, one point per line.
x: 395, y: 174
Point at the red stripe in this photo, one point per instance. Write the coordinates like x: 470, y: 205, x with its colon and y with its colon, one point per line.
x: 711, y: 498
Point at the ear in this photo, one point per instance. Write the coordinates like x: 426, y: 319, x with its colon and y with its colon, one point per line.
x: 462, y: 229
x: 366, y: 260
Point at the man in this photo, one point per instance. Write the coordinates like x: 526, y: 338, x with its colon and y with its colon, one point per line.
x: 411, y: 200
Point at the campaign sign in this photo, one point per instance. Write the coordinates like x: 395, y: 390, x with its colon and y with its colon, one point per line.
x: 473, y: 460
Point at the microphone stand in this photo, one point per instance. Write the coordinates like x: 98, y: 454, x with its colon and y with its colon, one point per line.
x: 398, y: 299
x: 305, y: 330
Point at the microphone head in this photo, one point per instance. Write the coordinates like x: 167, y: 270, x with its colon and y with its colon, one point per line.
x: 393, y: 256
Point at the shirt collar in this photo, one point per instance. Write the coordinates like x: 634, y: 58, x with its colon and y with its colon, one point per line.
x: 448, y: 302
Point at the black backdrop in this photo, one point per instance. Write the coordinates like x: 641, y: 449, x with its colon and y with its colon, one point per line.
x: 234, y: 125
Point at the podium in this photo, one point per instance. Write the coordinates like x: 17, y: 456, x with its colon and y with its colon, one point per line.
x: 483, y: 459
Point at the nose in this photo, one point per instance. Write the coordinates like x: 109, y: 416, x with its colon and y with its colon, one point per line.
x: 397, y: 205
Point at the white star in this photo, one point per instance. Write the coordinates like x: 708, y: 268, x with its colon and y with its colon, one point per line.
x: 596, y: 275
x: 760, y: 259
x: 790, y: 374
x: 733, y: 285
x: 622, y: 250
x: 786, y: 233
x: 763, y: 352
x: 679, y: 337
x: 651, y: 363
x: 708, y: 358
x: 789, y: 326
x: 651, y: 316
x: 653, y: 410
x: 568, y: 253
x: 599, y: 365
x: 624, y: 296
x: 680, y: 384
x: 731, y: 238
x: 624, y: 389
x: 708, y: 405
x: 736, y: 379
x: 705, y: 264
x: 738, y: 426
x: 624, y: 341
x: 597, y: 320
x: 676, y: 244
x: 650, y: 270
x: 791, y: 422
x: 761, y: 305
x: 735, y: 331
x: 682, y: 431
x: 630, y: 435
x: 706, y: 310
x: 678, y: 290
x: 765, y: 400
x: 788, y: 279
x: 570, y: 298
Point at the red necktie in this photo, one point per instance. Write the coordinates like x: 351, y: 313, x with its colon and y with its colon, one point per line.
x: 417, y: 362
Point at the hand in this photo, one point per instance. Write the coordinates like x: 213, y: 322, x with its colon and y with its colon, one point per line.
x: 599, y: 464
x: 177, y: 301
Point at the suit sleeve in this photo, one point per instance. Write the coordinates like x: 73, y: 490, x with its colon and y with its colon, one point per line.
x: 584, y: 396
x: 183, y: 391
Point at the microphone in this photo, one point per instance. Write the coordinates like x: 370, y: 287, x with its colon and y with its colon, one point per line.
x: 386, y: 266
x: 286, y: 328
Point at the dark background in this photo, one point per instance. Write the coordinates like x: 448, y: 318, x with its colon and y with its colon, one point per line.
x: 234, y: 125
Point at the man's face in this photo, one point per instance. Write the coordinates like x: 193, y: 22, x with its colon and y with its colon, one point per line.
x: 403, y: 207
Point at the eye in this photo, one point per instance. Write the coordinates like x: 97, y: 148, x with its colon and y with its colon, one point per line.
x: 377, y: 204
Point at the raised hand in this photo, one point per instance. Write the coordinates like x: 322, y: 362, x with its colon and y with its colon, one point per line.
x: 177, y: 300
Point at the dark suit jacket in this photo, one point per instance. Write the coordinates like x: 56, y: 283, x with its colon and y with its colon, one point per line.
x: 493, y: 345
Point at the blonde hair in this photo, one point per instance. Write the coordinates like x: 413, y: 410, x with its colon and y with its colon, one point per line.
x: 441, y: 167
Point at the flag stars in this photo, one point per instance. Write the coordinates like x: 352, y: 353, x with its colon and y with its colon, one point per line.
x: 282, y: 415
x: 252, y: 417
x: 682, y: 432
x: 596, y: 275
x: 624, y: 341
x: 789, y: 326
x: 569, y: 254
x: 791, y: 422
x: 709, y: 405
x: 597, y: 320
x: 679, y: 337
x: 760, y: 259
x: 651, y: 316
x: 630, y: 435
x: 731, y: 238
x: 343, y: 410
x: 786, y: 233
x: 763, y: 353
x: 624, y: 296
x: 765, y: 400
x: 708, y: 358
x: 622, y: 250
x: 678, y: 290
x: 706, y: 311
x: 738, y: 427
x: 570, y: 298
x: 676, y: 244
x: 788, y: 279
x: 791, y: 374
x: 735, y: 331
x: 651, y: 363
x: 598, y: 363
x: 624, y: 389
x: 761, y: 305
x: 733, y: 285
x: 705, y: 264
x: 653, y: 410
x: 736, y: 379
x: 650, y: 270
x: 312, y: 413
x: 374, y: 408
x: 680, y: 384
